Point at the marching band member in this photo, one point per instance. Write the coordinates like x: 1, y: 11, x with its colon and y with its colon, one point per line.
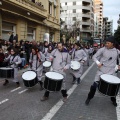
x: 14, y: 60
x: 36, y: 63
x: 60, y: 63
x: 106, y: 60
x: 48, y: 52
x: 80, y: 56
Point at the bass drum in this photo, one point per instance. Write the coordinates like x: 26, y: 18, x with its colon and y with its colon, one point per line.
x: 29, y: 78
x: 6, y: 72
x: 109, y: 85
x: 53, y: 81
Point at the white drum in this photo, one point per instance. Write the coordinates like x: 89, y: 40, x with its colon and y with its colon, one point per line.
x: 29, y: 78
x: 75, y: 65
x: 109, y: 85
x: 6, y: 72
x: 46, y: 64
x: 53, y: 81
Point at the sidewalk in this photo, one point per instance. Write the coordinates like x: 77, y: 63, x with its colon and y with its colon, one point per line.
x: 100, y: 107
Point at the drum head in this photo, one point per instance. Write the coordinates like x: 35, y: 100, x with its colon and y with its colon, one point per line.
x: 110, y: 79
x: 75, y: 65
x: 54, y: 76
x: 47, y: 64
x: 6, y: 68
x: 29, y: 75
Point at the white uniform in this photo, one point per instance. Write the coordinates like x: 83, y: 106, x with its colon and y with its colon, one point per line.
x: 61, y: 60
x: 107, y: 57
x: 36, y: 65
x: 16, y: 60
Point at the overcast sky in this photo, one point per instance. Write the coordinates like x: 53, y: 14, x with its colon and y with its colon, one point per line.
x: 111, y: 9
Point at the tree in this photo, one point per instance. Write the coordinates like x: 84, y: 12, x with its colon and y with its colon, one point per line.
x: 117, y: 35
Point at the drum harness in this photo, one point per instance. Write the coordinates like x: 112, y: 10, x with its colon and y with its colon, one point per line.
x: 12, y: 61
x: 74, y: 56
x: 111, y: 59
x: 62, y: 59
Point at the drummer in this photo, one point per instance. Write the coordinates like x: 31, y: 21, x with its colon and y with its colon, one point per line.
x: 106, y: 60
x: 14, y: 61
x: 36, y: 63
x: 47, y: 56
x: 79, y: 55
x: 60, y: 63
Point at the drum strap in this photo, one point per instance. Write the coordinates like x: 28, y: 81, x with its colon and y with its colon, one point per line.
x: 36, y: 61
x: 13, y: 58
x: 117, y: 58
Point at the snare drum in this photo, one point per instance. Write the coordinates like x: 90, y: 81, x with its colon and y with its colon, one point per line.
x: 46, y: 64
x: 29, y: 78
x: 6, y: 72
x: 75, y: 65
x: 109, y: 85
x: 53, y: 81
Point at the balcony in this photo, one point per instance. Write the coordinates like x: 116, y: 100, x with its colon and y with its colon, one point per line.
x: 21, y: 7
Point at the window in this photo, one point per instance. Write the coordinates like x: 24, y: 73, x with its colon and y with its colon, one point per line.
x: 30, y: 34
x: 74, y: 10
x: 50, y: 8
x: 6, y: 28
x: 74, y: 18
x: 74, y: 3
x: 55, y: 11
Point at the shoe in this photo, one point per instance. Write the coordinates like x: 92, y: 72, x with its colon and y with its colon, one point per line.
x: 115, y: 104
x: 74, y: 80
x: 18, y: 84
x: 64, y: 99
x: 6, y: 82
x: 78, y: 81
x: 87, y: 101
x: 44, y: 98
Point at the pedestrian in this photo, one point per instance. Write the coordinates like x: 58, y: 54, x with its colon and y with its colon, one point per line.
x: 106, y: 60
x: 60, y: 63
x: 80, y: 56
x: 36, y: 63
x: 14, y: 61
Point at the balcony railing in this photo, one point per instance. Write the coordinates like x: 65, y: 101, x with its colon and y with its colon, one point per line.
x: 25, y: 4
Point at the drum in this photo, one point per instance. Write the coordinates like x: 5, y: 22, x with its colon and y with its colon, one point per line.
x: 6, y: 72
x: 47, y: 64
x: 53, y: 81
x: 109, y: 85
x: 75, y: 65
x: 29, y: 78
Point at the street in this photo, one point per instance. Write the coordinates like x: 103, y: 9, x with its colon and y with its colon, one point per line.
x: 24, y: 104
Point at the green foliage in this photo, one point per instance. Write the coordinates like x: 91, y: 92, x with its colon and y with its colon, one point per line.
x: 117, y: 35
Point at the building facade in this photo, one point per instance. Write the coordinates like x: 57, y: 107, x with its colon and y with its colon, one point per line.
x: 30, y: 19
x: 107, y: 28
x: 80, y: 13
x: 98, y: 10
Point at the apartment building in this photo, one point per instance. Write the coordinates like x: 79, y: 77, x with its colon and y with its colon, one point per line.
x: 30, y: 19
x: 98, y: 10
x: 80, y: 12
x: 107, y: 27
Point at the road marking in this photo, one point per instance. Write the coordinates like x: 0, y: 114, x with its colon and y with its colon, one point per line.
x: 22, y: 91
x: 15, y: 89
x: 4, y: 101
x: 118, y: 107
x: 59, y: 104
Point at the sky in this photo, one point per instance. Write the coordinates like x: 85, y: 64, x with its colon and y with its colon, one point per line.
x: 111, y: 9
